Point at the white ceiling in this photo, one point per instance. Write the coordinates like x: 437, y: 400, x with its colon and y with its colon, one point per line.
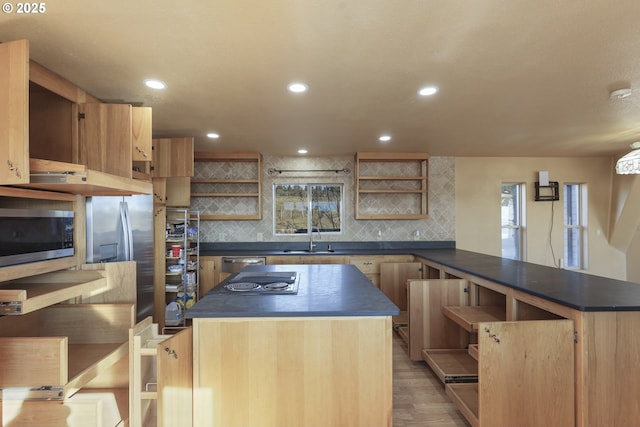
x: 516, y: 77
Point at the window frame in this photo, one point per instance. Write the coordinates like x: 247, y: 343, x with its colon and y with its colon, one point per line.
x: 310, y: 206
x: 519, y: 225
x: 580, y: 192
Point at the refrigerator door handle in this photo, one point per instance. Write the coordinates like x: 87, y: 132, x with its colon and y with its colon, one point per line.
x: 126, y: 231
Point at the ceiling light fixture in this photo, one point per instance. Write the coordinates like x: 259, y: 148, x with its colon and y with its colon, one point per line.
x: 428, y: 91
x: 213, y: 135
x: 155, y: 84
x: 620, y: 93
x: 385, y: 138
x: 302, y: 151
x: 298, y: 87
x: 629, y: 163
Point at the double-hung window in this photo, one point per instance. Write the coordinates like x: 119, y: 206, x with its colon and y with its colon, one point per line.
x: 512, y: 219
x: 574, y: 224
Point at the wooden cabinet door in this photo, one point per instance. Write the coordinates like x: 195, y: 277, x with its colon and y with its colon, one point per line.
x: 209, y: 273
x: 172, y: 157
x: 429, y: 328
x: 393, y: 280
x: 14, y: 112
x: 106, y: 138
x: 178, y: 191
x: 526, y: 374
x: 175, y: 380
x: 141, y: 133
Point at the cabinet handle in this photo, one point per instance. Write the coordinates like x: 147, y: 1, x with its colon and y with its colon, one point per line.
x: 494, y: 336
x: 171, y: 352
x: 14, y: 169
x: 141, y: 151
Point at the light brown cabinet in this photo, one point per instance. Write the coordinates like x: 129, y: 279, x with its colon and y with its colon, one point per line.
x: 499, y: 357
x: 40, y: 131
x: 161, y: 376
x: 391, y: 185
x: 60, y: 355
x: 106, y: 138
x: 172, y: 157
x: 209, y: 273
x: 370, y: 265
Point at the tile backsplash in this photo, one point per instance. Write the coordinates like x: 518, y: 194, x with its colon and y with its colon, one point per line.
x: 439, y: 226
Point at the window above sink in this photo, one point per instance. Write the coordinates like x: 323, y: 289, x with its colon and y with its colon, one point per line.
x: 307, y: 208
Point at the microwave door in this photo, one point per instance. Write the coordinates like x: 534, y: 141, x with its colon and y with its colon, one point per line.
x: 106, y: 241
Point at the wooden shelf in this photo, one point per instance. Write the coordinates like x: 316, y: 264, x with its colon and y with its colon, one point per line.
x: 377, y: 195
x: 473, y: 351
x: 57, y: 350
x: 465, y: 397
x: 26, y: 295
x: 452, y: 365
x: 468, y: 317
x: 230, y: 186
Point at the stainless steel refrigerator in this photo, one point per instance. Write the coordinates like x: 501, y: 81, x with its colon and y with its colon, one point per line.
x: 121, y: 229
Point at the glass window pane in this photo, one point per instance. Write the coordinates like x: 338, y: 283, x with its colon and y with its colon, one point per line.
x: 572, y: 247
x: 511, y: 221
x: 291, y: 213
x: 325, y: 208
x: 510, y: 204
x: 290, y: 208
x: 511, y: 243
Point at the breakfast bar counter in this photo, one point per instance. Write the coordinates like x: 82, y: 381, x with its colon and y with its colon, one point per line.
x: 320, y: 356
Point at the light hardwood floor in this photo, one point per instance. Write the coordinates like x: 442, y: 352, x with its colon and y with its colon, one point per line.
x: 419, y: 398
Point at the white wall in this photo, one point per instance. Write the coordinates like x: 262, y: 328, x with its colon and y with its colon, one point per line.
x: 478, y: 185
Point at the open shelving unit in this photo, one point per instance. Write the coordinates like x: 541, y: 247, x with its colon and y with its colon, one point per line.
x: 391, y: 185
x: 227, y: 186
x: 183, y: 230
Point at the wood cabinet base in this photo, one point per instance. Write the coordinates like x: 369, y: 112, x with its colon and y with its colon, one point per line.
x: 293, y: 372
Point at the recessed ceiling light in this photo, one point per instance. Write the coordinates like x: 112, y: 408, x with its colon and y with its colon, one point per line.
x: 155, y: 84
x: 213, y: 135
x: 620, y: 93
x: 428, y: 91
x: 298, y: 87
x: 302, y: 151
x: 385, y: 138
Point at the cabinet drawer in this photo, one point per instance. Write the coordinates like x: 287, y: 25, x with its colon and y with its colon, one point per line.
x: 371, y: 264
x: 53, y: 352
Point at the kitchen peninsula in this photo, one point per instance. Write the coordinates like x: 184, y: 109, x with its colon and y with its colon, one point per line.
x: 318, y: 357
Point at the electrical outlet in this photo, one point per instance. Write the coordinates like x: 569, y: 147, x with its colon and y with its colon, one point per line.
x: 259, y: 237
x: 223, y: 237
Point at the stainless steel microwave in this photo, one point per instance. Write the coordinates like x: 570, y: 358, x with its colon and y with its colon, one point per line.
x: 29, y: 235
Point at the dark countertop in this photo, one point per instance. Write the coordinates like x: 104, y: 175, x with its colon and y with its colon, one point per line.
x: 323, y: 290
x: 580, y: 291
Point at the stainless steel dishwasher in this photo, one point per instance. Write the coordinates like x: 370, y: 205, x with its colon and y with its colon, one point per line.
x: 235, y: 264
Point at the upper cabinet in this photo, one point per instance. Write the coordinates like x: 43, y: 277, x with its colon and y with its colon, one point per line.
x: 106, y: 138
x: 172, y: 157
x: 391, y: 185
x: 14, y: 112
x: 58, y: 137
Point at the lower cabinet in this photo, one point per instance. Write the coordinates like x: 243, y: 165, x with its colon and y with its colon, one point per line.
x: 525, y: 376
x: 65, y: 364
x: 504, y: 362
x: 160, y: 376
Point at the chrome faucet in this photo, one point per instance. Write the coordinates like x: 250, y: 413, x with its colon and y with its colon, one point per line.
x: 311, y: 244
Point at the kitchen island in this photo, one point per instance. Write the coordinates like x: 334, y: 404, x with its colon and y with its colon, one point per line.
x: 321, y: 356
